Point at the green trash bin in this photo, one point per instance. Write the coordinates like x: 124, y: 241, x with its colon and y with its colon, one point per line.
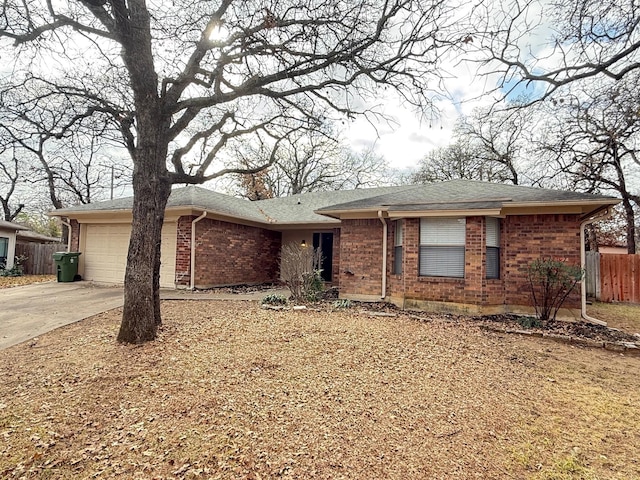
x: 66, y: 265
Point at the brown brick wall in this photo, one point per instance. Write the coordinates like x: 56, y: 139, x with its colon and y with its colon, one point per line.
x: 75, y: 236
x: 183, y: 251
x: 227, y: 253
x: 522, y: 239
x: 335, y: 259
x: 438, y: 289
x: 528, y: 237
x: 361, y: 257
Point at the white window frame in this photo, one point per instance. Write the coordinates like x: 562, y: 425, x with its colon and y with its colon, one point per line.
x: 492, y: 235
x: 398, y: 238
x: 442, y: 246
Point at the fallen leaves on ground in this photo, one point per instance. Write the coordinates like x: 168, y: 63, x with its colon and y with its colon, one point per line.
x: 6, y: 282
x: 230, y: 390
x: 625, y: 316
x: 573, y: 329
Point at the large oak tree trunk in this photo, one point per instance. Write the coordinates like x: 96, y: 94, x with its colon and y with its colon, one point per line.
x: 151, y: 185
x: 141, y: 314
x: 151, y: 190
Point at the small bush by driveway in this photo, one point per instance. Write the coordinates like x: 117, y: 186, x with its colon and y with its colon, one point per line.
x: 230, y: 390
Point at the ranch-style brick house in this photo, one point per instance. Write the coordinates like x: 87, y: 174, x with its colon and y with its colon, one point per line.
x: 453, y: 246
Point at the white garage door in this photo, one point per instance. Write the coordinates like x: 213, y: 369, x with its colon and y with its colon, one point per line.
x: 105, y: 253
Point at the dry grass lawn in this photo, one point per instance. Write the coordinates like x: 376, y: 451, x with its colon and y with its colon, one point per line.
x: 233, y: 391
x: 625, y: 316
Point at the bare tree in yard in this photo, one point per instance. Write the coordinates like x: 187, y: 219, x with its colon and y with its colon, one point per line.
x: 611, y: 232
x: 534, y: 42
x: 458, y: 160
x: 501, y: 138
x: 489, y: 145
x: 75, y: 164
x: 593, y: 136
x: 9, y: 178
x: 185, y: 80
x: 310, y: 162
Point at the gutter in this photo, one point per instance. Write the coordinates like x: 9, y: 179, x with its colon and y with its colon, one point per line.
x: 583, y: 263
x: 192, y: 280
x: 384, y: 255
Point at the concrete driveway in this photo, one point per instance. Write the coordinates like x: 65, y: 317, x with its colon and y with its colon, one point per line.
x: 31, y: 310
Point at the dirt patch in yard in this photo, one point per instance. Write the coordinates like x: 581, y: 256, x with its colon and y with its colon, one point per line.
x: 230, y: 390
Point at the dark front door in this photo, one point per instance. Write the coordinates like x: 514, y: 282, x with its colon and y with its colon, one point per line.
x: 324, y: 242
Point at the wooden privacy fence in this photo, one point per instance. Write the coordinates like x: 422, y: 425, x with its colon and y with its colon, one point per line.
x: 613, y: 277
x: 39, y: 257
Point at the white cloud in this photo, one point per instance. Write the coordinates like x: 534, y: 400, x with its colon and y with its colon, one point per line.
x: 408, y: 138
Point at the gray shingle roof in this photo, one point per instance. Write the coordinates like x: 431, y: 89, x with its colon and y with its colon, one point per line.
x: 462, y: 194
x: 293, y: 210
x: 302, y: 208
x: 190, y: 196
x: 215, y: 202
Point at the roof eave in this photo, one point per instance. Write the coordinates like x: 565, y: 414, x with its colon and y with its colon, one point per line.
x: 561, y: 206
x: 595, y: 202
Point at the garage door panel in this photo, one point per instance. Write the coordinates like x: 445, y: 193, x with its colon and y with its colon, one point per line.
x: 105, y: 253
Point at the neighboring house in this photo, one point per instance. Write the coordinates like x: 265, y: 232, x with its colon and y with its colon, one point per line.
x: 620, y: 249
x: 458, y: 245
x: 29, y: 236
x: 8, y: 231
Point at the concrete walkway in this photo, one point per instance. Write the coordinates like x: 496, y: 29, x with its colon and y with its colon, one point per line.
x: 31, y: 310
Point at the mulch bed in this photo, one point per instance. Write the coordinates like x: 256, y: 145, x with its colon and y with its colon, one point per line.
x: 573, y: 329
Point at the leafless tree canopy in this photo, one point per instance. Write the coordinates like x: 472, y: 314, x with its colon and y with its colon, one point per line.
x: 489, y: 145
x: 309, y: 162
x: 593, y: 138
x: 183, y: 81
x: 9, y: 178
x: 556, y: 42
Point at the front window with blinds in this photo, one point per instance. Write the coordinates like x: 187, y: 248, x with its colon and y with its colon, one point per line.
x: 442, y: 242
x: 397, y: 248
x: 493, y: 247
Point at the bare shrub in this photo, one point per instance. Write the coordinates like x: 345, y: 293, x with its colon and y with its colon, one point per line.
x: 551, y: 281
x: 299, y: 270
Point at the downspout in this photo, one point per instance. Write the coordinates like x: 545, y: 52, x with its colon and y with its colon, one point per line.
x: 192, y: 280
x: 68, y: 225
x: 384, y: 255
x: 583, y: 265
